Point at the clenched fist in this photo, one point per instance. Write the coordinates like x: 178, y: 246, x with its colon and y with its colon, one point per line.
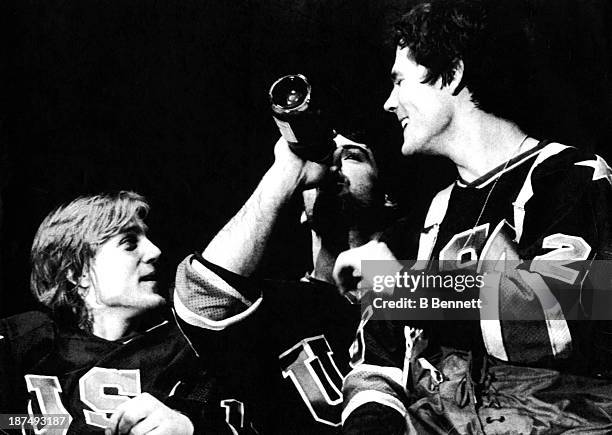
x: 144, y: 414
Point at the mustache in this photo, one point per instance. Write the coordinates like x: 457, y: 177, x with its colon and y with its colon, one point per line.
x: 333, y: 184
x: 336, y: 211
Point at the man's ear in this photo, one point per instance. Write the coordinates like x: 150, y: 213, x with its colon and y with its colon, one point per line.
x: 82, y: 281
x: 457, y: 84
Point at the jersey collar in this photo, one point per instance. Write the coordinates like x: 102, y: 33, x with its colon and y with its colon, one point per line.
x: 498, y: 171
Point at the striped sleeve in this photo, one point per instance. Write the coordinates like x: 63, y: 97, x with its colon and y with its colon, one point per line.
x: 563, y: 233
x: 377, y: 388
x: 369, y: 383
x: 210, y: 297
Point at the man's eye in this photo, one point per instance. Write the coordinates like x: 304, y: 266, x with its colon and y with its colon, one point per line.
x: 353, y: 155
x: 129, y: 242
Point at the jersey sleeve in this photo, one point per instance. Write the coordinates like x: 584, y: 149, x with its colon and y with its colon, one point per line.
x: 219, y: 311
x: 388, y: 366
x: 567, y: 201
x: 373, y: 419
x: 549, y: 303
x: 211, y: 297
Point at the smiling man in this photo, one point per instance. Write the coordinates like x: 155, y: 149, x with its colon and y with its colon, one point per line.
x: 540, y: 362
x: 103, y: 353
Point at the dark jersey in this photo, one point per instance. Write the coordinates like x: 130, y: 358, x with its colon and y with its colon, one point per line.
x: 47, y: 370
x: 286, y: 350
x: 548, y: 210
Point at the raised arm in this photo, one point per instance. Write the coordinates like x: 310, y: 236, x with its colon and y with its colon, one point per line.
x: 213, y: 291
x: 240, y: 244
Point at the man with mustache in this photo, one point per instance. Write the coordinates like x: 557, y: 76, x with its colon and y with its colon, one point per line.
x: 302, y: 328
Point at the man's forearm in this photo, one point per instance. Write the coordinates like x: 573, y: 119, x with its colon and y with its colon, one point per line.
x: 240, y: 244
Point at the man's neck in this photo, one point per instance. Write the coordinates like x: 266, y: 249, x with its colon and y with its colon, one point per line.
x: 481, y: 142
x: 112, y: 325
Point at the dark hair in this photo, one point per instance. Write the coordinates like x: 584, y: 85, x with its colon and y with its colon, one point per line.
x: 66, y: 242
x: 489, y: 36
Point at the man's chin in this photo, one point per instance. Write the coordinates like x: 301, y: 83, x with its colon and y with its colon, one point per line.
x: 155, y: 301
x: 149, y: 301
x: 409, y: 148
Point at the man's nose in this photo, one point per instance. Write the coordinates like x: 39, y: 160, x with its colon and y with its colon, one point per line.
x: 151, y: 251
x: 391, y: 103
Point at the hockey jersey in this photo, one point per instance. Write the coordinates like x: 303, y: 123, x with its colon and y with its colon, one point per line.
x: 49, y: 371
x: 285, y: 345
x: 548, y: 209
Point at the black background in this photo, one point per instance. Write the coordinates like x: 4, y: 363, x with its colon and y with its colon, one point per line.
x: 169, y: 98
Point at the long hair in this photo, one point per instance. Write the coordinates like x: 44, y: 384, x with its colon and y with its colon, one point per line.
x: 66, y: 242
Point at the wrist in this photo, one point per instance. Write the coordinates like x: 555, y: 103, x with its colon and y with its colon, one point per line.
x: 282, y: 181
